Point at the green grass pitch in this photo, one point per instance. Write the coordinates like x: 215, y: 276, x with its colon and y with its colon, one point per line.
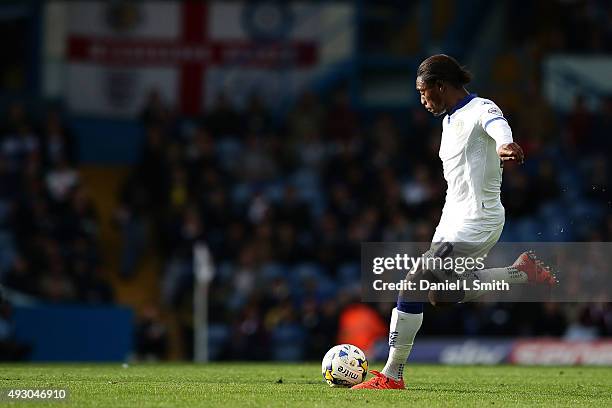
x: 239, y: 384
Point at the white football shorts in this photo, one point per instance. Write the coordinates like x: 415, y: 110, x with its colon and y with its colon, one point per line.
x: 468, y: 241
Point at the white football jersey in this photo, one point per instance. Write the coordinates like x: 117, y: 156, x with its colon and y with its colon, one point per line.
x: 471, y: 134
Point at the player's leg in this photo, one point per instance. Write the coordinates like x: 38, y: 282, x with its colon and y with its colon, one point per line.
x: 477, y: 244
x: 406, y: 320
x: 407, y: 317
x: 526, y: 269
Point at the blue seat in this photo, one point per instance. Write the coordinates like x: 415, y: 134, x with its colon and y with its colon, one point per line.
x: 301, y: 277
x: 228, y: 148
x: 241, y: 193
x: 271, y: 271
x: 327, y: 288
x: 552, y: 210
x: 529, y: 230
x: 5, y: 209
x: 274, y: 191
x: 556, y: 229
x: 225, y: 271
x: 348, y: 273
x: 288, y: 342
x: 218, y: 334
x: 305, y: 179
x: 509, y: 234
x: 316, y: 202
x: 306, y: 270
x: 8, y: 252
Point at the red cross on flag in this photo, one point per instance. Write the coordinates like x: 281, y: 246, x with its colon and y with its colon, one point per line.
x: 190, y: 51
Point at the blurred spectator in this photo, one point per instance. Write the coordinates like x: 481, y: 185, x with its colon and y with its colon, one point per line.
x: 16, y: 118
x: 60, y: 180
x: 129, y: 217
x: 362, y: 326
x: 223, y: 119
x: 152, y: 169
x: 19, y: 277
x: 155, y: 111
x: 535, y: 122
x: 341, y: 121
x: 603, y: 123
x: 554, y: 322
x: 10, y: 348
x: 257, y: 164
x: 57, y: 142
x: 19, y: 145
x: 517, y: 192
x: 321, y: 322
x: 306, y: 118
x: 580, y: 127
x: 184, y: 230
x: 546, y: 180
x: 249, y: 337
x: 151, y: 336
x: 257, y: 119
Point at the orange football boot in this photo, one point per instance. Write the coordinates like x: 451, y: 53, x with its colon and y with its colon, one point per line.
x: 535, y: 269
x: 380, y: 382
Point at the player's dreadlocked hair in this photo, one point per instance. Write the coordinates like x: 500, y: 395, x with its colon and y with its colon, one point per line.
x: 445, y: 68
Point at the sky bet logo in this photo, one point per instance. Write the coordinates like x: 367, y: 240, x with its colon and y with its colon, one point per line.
x: 348, y: 373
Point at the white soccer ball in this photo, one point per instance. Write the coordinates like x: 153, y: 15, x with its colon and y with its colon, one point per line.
x: 344, y: 365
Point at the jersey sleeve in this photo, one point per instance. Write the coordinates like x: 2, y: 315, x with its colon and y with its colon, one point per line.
x: 495, y: 124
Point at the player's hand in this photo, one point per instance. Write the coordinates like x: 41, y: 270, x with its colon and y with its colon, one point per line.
x: 511, y: 151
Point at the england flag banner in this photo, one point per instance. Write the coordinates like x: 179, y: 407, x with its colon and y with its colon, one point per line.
x: 117, y: 52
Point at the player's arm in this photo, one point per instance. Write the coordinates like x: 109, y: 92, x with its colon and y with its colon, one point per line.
x: 495, y: 125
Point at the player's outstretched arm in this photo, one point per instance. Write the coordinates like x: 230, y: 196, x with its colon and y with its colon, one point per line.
x: 511, y: 151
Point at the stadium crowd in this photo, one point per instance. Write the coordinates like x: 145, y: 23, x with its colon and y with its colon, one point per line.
x: 284, y: 201
x: 285, y: 205
x: 48, y: 223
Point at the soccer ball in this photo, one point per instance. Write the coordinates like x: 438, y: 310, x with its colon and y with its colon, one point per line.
x: 344, y: 365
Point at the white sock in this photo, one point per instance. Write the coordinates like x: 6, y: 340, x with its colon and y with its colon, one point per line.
x: 402, y: 330
x: 509, y: 274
